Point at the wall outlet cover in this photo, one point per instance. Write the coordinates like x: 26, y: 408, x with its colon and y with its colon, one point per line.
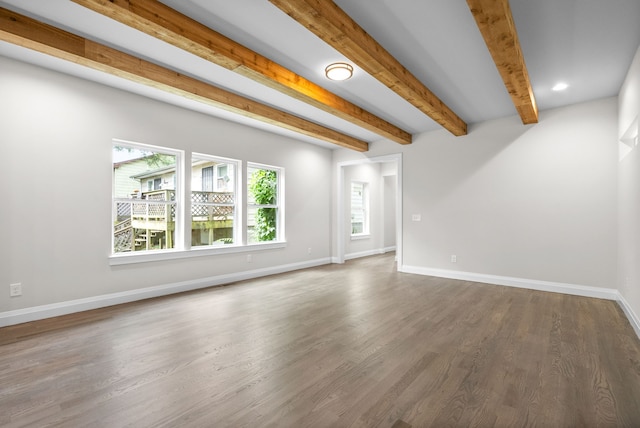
x: 15, y: 290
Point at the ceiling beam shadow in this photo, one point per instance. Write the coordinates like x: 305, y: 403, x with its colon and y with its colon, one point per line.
x: 164, y: 23
x: 32, y: 34
x: 496, y: 25
x: 327, y: 21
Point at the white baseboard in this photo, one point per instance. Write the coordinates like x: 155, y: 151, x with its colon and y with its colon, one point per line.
x: 532, y: 284
x: 367, y: 253
x: 359, y: 254
x: 63, y: 308
x: 19, y: 316
x: 631, y: 316
x: 351, y: 256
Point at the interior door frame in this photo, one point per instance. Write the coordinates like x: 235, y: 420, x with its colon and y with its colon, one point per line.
x: 340, y: 221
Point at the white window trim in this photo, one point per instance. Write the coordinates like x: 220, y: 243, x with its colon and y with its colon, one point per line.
x: 280, y: 230
x: 360, y: 236
x: 366, y: 232
x: 179, y: 191
x: 162, y: 255
x: 238, y: 223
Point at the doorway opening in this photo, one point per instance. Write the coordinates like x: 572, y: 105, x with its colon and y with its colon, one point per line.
x: 386, y: 230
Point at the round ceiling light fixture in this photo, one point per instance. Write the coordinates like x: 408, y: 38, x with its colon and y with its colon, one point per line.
x: 339, y: 71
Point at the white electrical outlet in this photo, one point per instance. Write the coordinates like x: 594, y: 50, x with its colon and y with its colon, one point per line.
x: 15, y: 290
x: 454, y: 258
x: 309, y: 250
x: 416, y: 217
x: 249, y: 258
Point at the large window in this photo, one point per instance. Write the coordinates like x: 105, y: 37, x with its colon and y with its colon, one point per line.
x: 359, y: 208
x: 166, y: 200
x: 144, y: 197
x: 264, y: 213
x: 213, y: 200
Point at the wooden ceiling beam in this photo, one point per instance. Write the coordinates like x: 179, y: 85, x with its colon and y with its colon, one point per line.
x: 169, y: 25
x: 29, y: 33
x: 326, y: 20
x: 496, y: 25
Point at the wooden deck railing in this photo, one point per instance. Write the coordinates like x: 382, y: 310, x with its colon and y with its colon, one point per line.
x: 156, y: 210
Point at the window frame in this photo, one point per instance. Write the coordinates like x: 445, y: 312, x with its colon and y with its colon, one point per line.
x: 237, y: 211
x: 279, y: 205
x: 178, y: 192
x: 365, y: 210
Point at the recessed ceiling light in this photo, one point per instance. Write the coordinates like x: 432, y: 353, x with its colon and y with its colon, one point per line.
x: 338, y: 71
x: 560, y: 86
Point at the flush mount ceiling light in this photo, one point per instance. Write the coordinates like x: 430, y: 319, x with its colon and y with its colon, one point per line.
x: 561, y: 86
x: 338, y: 71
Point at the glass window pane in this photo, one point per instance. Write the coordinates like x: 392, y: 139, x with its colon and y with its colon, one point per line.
x: 261, y: 224
x: 144, y: 199
x: 359, y: 207
x: 263, y: 186
x: 262, y: 204
x: 213, y: 199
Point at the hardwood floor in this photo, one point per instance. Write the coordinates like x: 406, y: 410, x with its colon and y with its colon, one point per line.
x: 337, y: 346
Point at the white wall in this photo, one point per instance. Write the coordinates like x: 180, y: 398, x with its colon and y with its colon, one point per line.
x: 629, y: 195
x: 535, y: 202
x: 56, y: 133
x: 389, y: 210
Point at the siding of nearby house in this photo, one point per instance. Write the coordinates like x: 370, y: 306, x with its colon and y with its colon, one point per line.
x: 167, y: 182
x: 125, y: 185
x: 196, y: 178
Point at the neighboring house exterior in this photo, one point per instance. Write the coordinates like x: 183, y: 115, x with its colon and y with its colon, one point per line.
x: 123, y: 172
x: 144, y: 204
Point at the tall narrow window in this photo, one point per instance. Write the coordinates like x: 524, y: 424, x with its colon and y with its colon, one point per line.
x: 359, y: 208
x: 213, y: 200
x: 264, y: 202
x: 144, y: 197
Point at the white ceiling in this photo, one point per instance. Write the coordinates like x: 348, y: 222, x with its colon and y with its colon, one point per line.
x: 588, y: 44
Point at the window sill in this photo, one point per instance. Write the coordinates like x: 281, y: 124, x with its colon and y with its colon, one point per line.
x: 161, y: 255
x: 360, y: 236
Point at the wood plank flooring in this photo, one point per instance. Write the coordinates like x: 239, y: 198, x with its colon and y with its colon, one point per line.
x: 353, y: 345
